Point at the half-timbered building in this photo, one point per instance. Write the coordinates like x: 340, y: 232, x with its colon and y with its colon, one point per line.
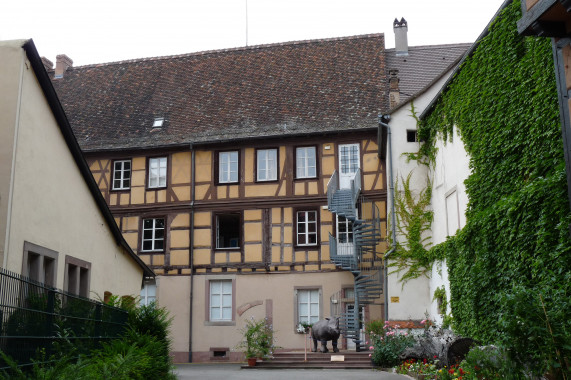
x: 249, y: 179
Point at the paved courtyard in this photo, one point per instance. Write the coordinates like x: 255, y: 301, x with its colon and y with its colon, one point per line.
x: 233, y: 371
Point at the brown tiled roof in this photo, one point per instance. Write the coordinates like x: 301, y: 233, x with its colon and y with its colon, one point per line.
x: 269, y: 90
x: 422, y: 65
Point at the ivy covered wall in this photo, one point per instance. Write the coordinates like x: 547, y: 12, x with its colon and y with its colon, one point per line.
x: 510, y: 266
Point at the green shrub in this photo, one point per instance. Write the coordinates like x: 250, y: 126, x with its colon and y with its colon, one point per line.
x: 388, y: 345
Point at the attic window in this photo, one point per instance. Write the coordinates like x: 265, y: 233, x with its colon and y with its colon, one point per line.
x: 158, y: 122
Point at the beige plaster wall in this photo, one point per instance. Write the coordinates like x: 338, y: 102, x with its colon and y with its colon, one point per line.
x: 275, y: 291
x: 52, y: 206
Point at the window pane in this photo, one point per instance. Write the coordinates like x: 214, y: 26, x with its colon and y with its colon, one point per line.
x: 159, y: 223
x: 147, y: 245
x: 227, y: 313
x: 303, y: 309
x: 227, y: 287
x: 311, y: 216
x: 303, y: 296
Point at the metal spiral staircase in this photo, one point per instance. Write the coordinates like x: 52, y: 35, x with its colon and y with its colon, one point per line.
x: 362, y: 260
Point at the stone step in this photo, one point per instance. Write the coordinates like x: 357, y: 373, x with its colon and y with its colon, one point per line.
x: 315, y: 360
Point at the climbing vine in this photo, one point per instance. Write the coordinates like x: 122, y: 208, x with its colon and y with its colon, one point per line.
x: 414, y: 218
x: 509, y: 267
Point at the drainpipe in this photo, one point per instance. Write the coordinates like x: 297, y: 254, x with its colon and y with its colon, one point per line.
x: 191, y: 251
x: 384, y: 123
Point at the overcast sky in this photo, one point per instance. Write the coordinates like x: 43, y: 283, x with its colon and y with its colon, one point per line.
x: 112, y: 30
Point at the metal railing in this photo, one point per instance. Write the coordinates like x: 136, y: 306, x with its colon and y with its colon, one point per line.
x: 38, y: 320
x: 332, y: 187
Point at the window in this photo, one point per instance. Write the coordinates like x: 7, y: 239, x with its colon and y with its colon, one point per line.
x: 411, y: 135
x: 306, y: 228
x: 228, y: 230
x: 77, y: 276
x: 40, y: 264
x: 220, y: 300
x: 305, y: 162
x: 153, y: 234
x: 308, y: 305
x: 349, y: 158
x: 148, y: 293
x: 122, y: 175
x: 228, y: 167
x: 267, y: 164
x: 158, y: 122
x: 157, y: 172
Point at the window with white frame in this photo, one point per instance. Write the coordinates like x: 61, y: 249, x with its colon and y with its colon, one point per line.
x: 306, y: 228
x: 349, y: 158
x: 153, y: 234
x: 228, y: 167
x: 220, y: 300
x: 306, y: 162
x: 122, y: 175
x: 157, y: 172
x: 267, y: 164
x: 148, y: 294
x: 308, y: 306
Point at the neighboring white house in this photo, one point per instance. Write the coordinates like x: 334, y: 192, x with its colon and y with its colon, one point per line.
x: 55, y: 226
x: 413, y: 299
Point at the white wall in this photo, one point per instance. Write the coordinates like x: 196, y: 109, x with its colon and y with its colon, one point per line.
x: 415, y: 297
x: 449, y: 202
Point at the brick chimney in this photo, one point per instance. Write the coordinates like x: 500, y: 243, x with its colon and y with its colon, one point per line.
x: 394, y: 93
x: 63, y: 62
x: 401, y: 40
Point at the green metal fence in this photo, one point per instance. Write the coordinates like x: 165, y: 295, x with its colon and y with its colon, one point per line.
x: 38, y: 320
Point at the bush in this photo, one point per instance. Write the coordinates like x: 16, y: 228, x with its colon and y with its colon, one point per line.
x: 142, y: 353
x: 388, y: 344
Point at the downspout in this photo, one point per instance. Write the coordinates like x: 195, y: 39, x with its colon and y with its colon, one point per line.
x: 384, y: 122
x: 191, y: 251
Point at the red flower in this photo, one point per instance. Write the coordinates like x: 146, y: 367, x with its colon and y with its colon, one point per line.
x: 424, y: 360
x: 461, y: 371
x: 451, y: 371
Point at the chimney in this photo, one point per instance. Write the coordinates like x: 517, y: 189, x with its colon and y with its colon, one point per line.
x: 48, y: 65
x: 401, y: 41
x: 394, y: 93
x: 63, y: 62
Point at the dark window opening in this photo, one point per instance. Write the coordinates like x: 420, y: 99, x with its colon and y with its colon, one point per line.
x: 219, y: 354
x: 411, y: 136
x: 228, y: 231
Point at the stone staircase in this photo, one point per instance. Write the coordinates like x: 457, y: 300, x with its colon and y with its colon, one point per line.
x: 315, y: 360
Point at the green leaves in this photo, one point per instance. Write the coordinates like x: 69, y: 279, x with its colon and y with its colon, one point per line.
x: 515, y: 244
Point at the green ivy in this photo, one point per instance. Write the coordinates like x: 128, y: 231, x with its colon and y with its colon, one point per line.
x: 515, y: 244
x: 414, y: 219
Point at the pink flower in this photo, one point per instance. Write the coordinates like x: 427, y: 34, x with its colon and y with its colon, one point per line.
x: 423, y: 322
x: 371, y: 347
x: 385, y: 327
x: 405, y: 333
x: 369, y: 355
x: 386, y: 322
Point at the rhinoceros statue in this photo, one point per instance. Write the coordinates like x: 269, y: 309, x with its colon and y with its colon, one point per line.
x: 324, y: 330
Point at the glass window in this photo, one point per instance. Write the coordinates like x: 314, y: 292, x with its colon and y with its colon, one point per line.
x: 305, y: 162
x: 157, y: 172
x: 228, y: 167
x: 221, y: 300
x: 153, y: 234
x: 349, y: 158
x: 308, y: 305
x: 267, y: 164
x: 307, y: 228
x: 148, y: 294
x: 122, y: 175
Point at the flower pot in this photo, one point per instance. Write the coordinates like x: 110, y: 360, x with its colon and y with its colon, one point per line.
x: 252, y: 362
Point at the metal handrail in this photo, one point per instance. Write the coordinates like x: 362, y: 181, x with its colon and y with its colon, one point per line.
x: 332, y: 187
x: 356, y: 186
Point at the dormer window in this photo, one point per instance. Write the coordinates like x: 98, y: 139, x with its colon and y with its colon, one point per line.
x: 158, y: 122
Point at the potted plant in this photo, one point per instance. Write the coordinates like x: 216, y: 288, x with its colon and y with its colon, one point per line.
x: 257, y: 340
x: 303, y: 327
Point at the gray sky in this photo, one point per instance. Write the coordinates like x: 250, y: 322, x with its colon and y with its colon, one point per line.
x: 112, y: 30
